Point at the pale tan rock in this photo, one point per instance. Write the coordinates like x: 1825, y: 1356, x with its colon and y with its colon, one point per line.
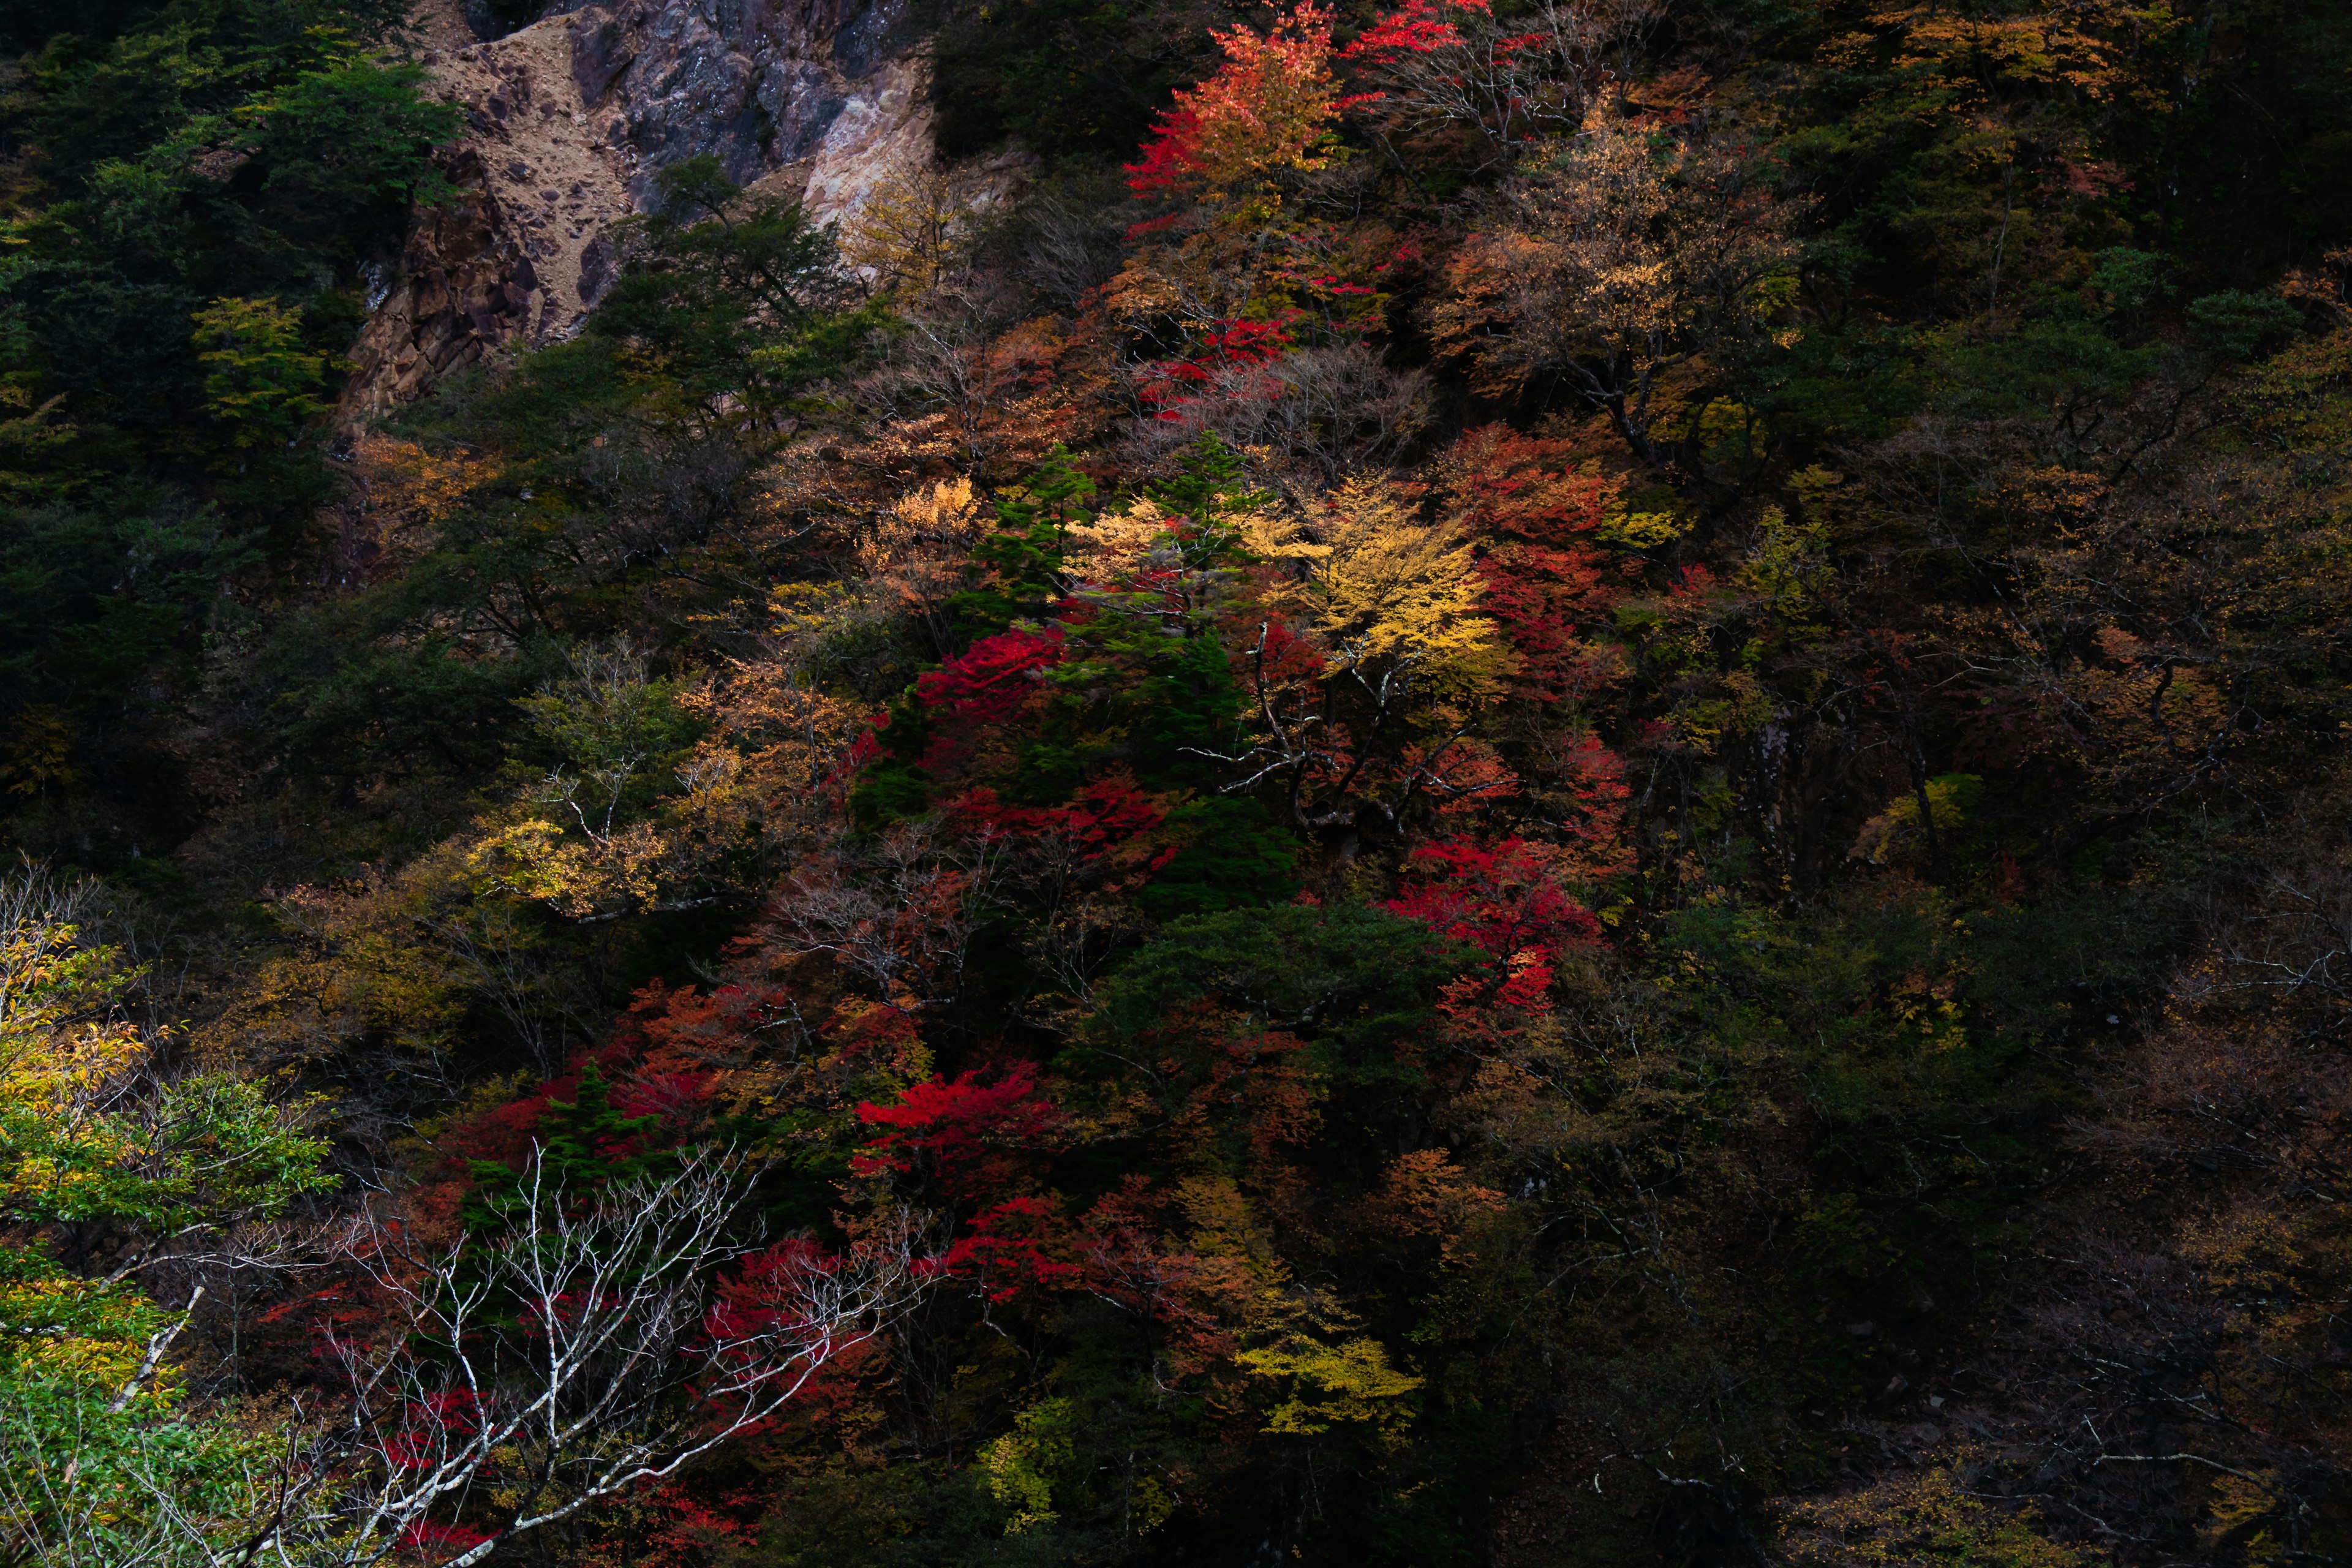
x: 579, y: 112
x: 882, y: 130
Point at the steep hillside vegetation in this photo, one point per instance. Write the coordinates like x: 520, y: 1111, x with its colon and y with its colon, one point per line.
x: 1512, y: 782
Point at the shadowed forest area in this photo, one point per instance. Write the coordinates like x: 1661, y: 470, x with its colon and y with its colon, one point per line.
x: 1152, y: 863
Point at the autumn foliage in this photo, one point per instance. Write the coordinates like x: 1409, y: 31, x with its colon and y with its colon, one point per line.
x: 1269, y: 108
x: 1545, y: 784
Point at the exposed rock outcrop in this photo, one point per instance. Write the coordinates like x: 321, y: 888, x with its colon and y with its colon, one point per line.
x: 462, y: 284
x: 570, y: 120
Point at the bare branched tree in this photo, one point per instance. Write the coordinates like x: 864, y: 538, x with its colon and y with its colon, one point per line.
x: 901, y: 913
x: 509, y: 1381
x: 1329, y: 411
x: 1509, y: 80
x: 592, y: 1348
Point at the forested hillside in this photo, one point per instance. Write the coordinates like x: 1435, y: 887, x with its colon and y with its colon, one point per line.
x: 1146, y: 853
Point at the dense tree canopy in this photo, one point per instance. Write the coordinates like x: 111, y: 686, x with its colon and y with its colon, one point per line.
x: 1547, y: 782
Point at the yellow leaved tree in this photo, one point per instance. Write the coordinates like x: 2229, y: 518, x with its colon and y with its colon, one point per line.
x: 155, y: 1172
x: 1367, y: 688
x: 1394, y: 598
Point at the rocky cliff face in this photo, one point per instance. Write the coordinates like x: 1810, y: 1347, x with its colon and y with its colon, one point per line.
x: 571, y: 116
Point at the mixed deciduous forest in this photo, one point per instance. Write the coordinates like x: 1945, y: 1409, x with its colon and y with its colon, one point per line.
x: 1155, y: 866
